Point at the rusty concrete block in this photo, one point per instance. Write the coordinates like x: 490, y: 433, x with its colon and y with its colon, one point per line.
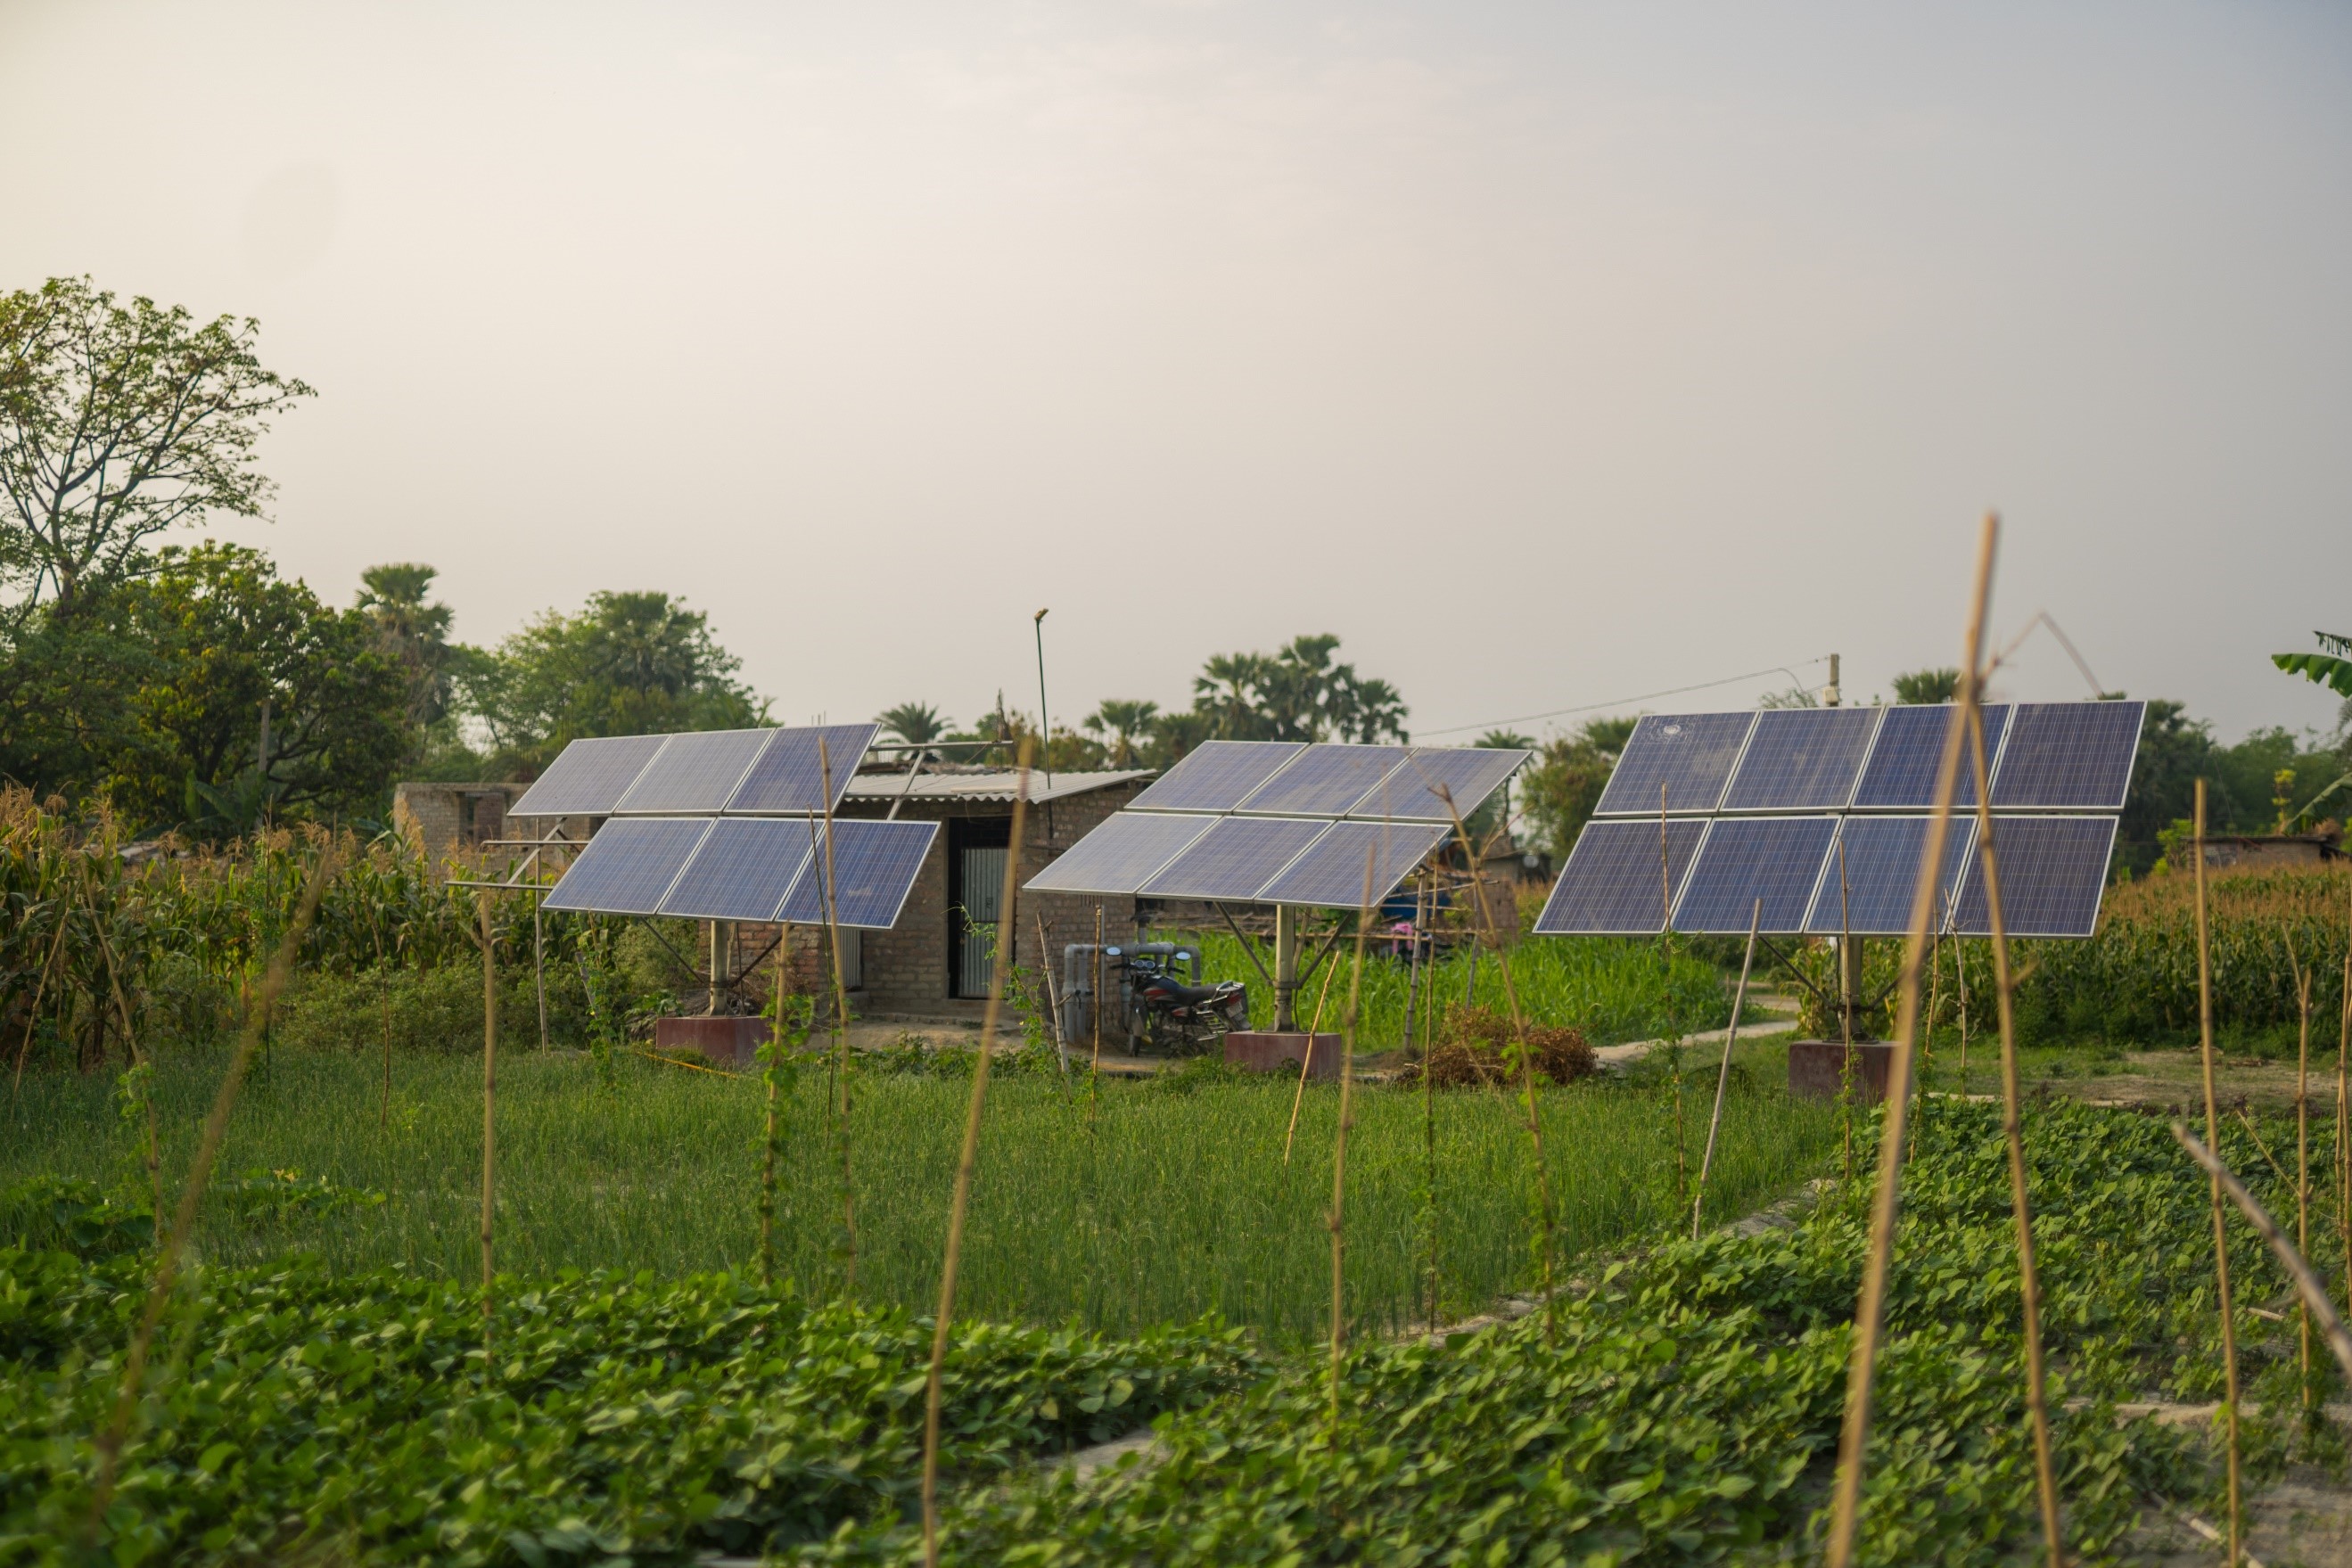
x: 728, y: 1043
x: 1262, y: 1050
x: 1816, y: 1069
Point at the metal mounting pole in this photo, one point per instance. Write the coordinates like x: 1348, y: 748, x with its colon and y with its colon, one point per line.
x: 1285, y: 968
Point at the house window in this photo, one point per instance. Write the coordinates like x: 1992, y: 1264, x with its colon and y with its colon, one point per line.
x: 976, y: 849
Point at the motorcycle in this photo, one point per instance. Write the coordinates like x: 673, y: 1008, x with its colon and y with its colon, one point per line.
x: 1167, y: 1016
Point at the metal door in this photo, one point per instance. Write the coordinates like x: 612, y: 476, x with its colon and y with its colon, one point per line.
x: 982, y: 879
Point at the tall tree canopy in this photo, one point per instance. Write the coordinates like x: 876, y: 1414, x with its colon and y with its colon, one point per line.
x: 117, y: 423
x: 628, y: 663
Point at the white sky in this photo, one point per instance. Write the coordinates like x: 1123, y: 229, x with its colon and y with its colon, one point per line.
x: 1547, y: 356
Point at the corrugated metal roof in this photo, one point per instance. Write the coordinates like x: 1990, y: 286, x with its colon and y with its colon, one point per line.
x: 995, y: 785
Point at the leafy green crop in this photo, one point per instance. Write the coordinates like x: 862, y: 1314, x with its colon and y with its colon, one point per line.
x: 358, y: 1416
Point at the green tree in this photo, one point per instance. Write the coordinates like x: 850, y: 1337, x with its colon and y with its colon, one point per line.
x: 916, y: 724
x: 117, y: 424
x: 1923, y: 686
x: 414, y: 634
x: 1125, y: 722
x: 1559, y: 789
x: 628, y: 663
x: 1297, y: 693
x: 228, y: 637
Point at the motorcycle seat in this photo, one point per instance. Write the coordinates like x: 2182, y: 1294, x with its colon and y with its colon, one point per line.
x: 1189, y: 996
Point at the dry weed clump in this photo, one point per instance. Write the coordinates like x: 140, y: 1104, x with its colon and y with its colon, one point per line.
x: 1471, y: 1046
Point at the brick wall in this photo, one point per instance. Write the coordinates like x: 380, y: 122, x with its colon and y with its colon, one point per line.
x: 907, y: 967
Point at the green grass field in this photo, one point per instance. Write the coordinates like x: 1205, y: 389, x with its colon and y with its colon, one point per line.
x: 1611, y: 989
x: 1172, y: 1202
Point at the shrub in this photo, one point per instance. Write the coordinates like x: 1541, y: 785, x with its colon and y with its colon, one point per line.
x: 1473, y: 1049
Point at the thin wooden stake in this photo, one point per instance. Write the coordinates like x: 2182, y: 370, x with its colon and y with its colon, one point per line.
x: 2307, y: 1288
x: 2037, y: 1405
x: 490, y: 1102
x: 2344, y: 1111
x: 384, y: 993
x: 1723, y: 1077
x: 1094, y: 1071
x: 840, y: 1032
x: 1339, y: 1143
x: 960, y: 1204
x: 1845, y: 1008
x: 1306, y: 1061
x: 774, y: 1076
x: 2214, y: 1139
x: 1546, y: 1216
x: 1870, y: 1312
x: 184, y: 1220
x: 33, y: 1018
x: 2302, y: 1147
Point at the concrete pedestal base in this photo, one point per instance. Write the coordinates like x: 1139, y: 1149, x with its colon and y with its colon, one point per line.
x: 728, y: 1043
x: 1263, y: 1051
x: 1817, y: 1068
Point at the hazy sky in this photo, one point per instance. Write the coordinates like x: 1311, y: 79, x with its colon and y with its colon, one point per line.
x: 1549, y: 355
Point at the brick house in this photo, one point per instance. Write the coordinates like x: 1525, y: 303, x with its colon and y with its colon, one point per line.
x: 934, y: 961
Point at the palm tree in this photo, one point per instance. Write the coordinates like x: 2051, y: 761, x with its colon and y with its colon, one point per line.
x: 1125, y: 720
x: 916, y: 724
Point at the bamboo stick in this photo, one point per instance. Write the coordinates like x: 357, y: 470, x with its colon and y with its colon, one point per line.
x: 184, y: 1219
x: 2344, y: 1110
x: 2037, y: 1405
x: 2212, y: 1140
x: 2303, y: 1149
x: 1339, y: 1145
x: 767, y: 1142
x: 384, y: 994
x: 2307, y: 1288
x: 1425, y: 897
x: 1094, y: 1071
x: 1053, y: 1000
x: 841, y: 1030
x: 1723, y: 1077
x: 1870, y: 1312
x: 33, y: 1017
x: 1306, y: 1061
x: 960, y: 1204
x: 490, y: 1102
x: 1845, y: 1011
x: 1547, y: 1223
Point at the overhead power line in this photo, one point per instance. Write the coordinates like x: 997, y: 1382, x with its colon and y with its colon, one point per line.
x: 1641, y: 697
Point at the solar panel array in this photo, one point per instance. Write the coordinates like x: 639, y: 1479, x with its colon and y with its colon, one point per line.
x: 1248, y: 822
x: 703, y: 773
x: 732, y: 868
x: 724, y: 825
x: 1817, y: 813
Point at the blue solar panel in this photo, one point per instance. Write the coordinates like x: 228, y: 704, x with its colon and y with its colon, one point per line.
x: 1330, y: 875
x: 1901, y: 773
x: 741, y: 872
x: 2052, y: 870
x: 1802, y: 759
x: 589, y: 777
x: 1690, y: 754
x: 627, y: 867
x: 2076, y: 755
x: 1618, y: 878
x: 874, y: 865
x: 1469, y: 774
x: 1214, y: 775
x: 789, y: 777
x: 1883, y: 856
x: 1325, y: 780
x: 696, y: 772
x: 1233, y: 859
x: 1776, y: 859
x: 1120, y: 855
